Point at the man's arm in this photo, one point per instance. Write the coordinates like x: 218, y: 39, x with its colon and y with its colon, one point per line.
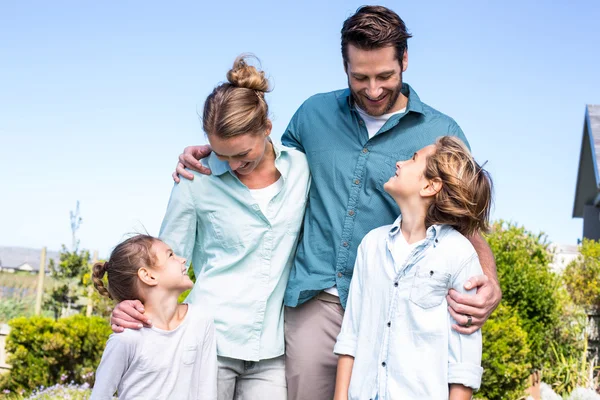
x: 291, y: 137
x: 189, y: 159
x: 489, y: 294
x: 342, y: 379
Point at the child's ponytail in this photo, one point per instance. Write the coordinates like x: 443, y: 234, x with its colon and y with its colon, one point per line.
x: 98, y: 273
x: 122, y: 268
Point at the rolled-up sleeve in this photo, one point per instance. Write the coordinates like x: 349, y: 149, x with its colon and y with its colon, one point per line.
x: 347, y: 339
x: 178, y: 227
x: 464, y: 351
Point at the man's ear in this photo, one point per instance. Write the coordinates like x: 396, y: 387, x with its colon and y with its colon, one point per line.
x: 147, y: 276
x: 405, y: 60
x: 432, y: 188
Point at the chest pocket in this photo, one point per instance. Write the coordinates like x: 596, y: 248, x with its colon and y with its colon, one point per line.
x: 429, y: 287
x: 231, y: 232
x: 189, y: 354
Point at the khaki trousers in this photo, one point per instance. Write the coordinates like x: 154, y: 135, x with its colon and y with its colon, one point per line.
x: 311, y: 330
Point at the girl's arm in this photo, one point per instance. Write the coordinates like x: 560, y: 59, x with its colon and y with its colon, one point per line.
x: 460, y: 392
x: 345, y: 346
x: 114, y: 364
x: 464, y: 350
x: 342, y: 380
x: 208, y: 364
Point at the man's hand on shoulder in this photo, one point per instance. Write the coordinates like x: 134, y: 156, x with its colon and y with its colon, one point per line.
x: 189, y: 159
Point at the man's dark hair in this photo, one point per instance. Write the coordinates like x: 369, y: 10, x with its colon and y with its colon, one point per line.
x: 374, y: 27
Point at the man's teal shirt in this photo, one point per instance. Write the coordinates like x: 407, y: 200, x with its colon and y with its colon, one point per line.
x: 346, y: 198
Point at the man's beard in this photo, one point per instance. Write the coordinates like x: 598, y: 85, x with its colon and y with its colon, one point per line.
x: 392, y: 99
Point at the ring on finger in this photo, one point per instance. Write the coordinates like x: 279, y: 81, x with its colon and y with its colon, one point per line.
x: 469, y: 321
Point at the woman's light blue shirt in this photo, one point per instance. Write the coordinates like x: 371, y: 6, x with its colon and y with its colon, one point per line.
x: 241, y: 257
x: 397, y: 325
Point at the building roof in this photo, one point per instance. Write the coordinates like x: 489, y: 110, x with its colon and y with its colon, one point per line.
x: 588, y: 175
x: 14, y: 257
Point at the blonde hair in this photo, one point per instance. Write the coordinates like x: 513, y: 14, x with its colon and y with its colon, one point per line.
x: 238, y: 106
x: 122, y: 268
x: 465, y: 198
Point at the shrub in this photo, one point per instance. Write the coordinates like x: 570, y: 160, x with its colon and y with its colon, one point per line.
x: 582, y: 276
x: 44, y: 352
x: 504, y: 358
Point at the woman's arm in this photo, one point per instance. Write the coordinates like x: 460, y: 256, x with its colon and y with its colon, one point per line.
x: 342, y: 380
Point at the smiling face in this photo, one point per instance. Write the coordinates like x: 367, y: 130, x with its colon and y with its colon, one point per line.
x: 170, y: 270
x: 375, y: 79
x: 243, y: 152
x: 409, y: 180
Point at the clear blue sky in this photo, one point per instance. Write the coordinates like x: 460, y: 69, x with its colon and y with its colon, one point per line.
x: 97, y: 99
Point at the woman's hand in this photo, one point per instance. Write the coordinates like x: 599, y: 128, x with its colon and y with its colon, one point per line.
x: 129, y: 314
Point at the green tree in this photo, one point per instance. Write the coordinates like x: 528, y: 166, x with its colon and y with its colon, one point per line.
x: 534, y: 302
x: 582, y: 276
x: 68, y: 275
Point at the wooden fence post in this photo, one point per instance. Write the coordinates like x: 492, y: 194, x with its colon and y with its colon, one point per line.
x: 90, y: 306
x: 40, y: 283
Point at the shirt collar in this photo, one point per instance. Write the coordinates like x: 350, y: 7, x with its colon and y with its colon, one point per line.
x: 219, y: 167
x: 433, y: 232
x: 414, y: 102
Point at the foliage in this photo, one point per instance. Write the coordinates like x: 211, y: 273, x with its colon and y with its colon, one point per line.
x: 15, y: 307
x: 528, y: 283
x: 68, y: 274
x: 192, y: 276
x: 570, y: 372
x: 582, y: 276
x: 536, y: 312
x: 504, y: 358
x: 44, y: 352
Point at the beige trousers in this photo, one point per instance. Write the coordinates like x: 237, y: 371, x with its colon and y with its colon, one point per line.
x: 311, y: 330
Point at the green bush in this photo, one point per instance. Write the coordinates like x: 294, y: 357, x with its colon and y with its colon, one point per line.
x: 44, y: 352
x: 582, y: 276
x: 504, y: 358
x: 535, y: 303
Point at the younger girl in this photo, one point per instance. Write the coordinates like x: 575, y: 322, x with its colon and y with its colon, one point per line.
x: 175, y: 358
x: 397, y: 340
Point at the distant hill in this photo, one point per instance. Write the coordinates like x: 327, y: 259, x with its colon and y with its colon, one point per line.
x: 14, y: 259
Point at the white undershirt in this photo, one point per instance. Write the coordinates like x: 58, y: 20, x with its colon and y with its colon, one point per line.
x: 374, y: 124
x: 400, y: 252
x: 263, y: 196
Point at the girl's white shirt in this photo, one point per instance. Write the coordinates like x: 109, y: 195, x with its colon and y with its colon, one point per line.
x: 152, y: 363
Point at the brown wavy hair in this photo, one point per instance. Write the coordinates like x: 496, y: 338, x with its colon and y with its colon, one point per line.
x: 122, y: 268
x: 465, y: 198
x: 238, y: 106
x: 374, y: 27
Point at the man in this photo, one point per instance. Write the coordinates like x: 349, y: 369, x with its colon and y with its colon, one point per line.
x: 352, y: 139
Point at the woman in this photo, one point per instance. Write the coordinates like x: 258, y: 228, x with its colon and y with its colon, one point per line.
x: 239, y: 227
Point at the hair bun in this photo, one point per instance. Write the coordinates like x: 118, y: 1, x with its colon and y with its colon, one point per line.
x: 247, y: 76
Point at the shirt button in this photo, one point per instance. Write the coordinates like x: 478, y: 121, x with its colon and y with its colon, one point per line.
x: 365, y: 150
x: 351, y: 212
x: 339, y: 274
x: 389, y: 324
x: 396, y: 284
x: 361, y: 122
x: 356, y: 181
x: 345, y: 244
x: 383, y: 364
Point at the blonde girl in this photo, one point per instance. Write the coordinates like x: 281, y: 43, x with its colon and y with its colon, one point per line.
x: 397, y: 340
